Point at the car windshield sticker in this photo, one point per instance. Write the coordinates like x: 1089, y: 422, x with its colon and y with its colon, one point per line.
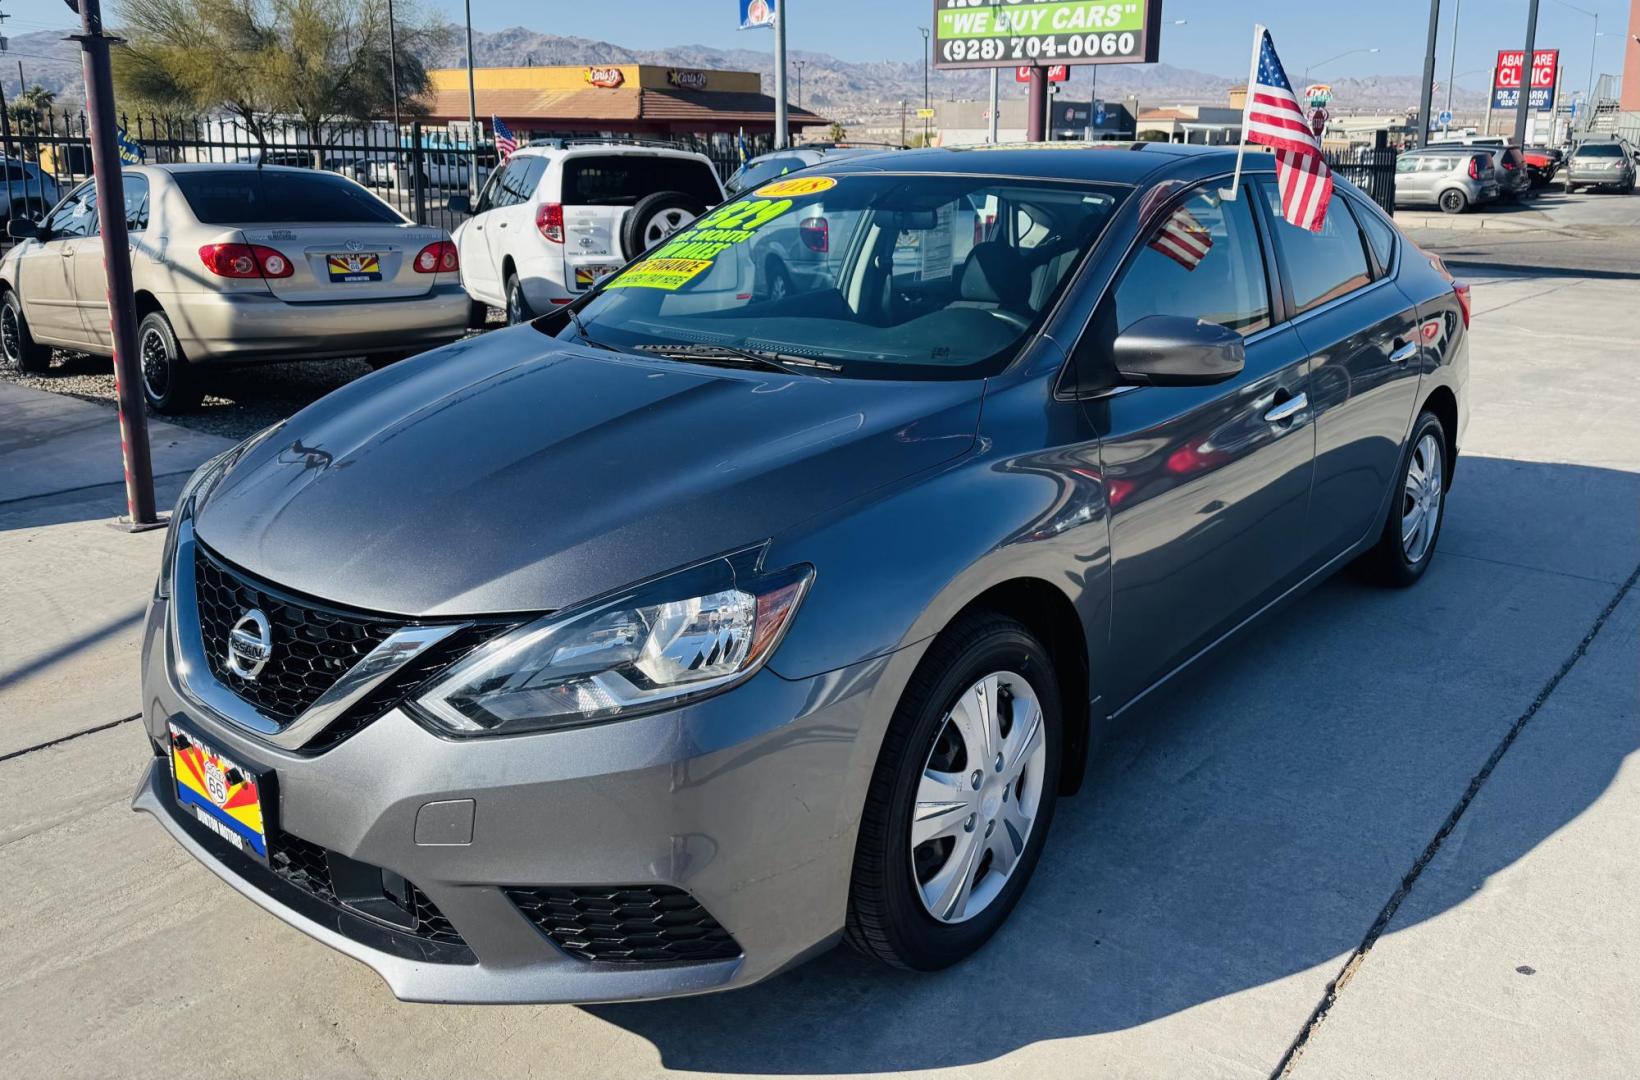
x: 797, y: 185
x: 689, y: 253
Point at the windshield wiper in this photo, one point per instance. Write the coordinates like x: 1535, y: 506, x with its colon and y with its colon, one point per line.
x: 581, y: 328
x: 786, y: 363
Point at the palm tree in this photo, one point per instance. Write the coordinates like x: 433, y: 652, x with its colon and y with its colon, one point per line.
x: 29, y: 109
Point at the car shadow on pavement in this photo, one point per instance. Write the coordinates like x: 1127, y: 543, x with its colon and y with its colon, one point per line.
x: 1250, y: 823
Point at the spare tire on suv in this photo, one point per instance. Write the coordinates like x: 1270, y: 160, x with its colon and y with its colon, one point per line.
x: 655, y: 217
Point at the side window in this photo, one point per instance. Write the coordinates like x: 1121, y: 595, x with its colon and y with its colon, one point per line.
x: 1406, y: 163
x: 1320, y: 266
x: 532, y: 177
x: 1380, y: 234
x: 76, y: 216
x: 1202, y: 261
x: 488, y: 199
x: 519, y: 183
x: 136, y: 202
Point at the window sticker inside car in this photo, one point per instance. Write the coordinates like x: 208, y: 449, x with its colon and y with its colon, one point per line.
x: 690, y: 252
x: 796, y: 185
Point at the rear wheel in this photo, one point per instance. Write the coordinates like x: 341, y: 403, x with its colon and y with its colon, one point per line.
x: 962, y: 797
x: 1571, y: 188
x: 21, y: 351
x: 1407, y: 545
x: 518, y: 305
x: 169, y: 382
x: 780, y: 279
x: 1454, y: 201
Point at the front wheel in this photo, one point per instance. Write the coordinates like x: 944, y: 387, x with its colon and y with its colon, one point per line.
x: 21, y: 351
x: 169, y: 382
x: 1454, y: 201
x: 1407, y: 545
x: 959, y: 806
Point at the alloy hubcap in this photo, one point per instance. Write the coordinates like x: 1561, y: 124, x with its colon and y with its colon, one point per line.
x: 1421, y: 498
x: 978, y: 797
x: 9, y: 336
x: 664, y: 224
x: 156, y: 364
x: 515, y: 305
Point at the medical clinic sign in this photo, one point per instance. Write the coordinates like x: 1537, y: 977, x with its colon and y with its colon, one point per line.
x: 1007, y: 33
x: 1509, y: 76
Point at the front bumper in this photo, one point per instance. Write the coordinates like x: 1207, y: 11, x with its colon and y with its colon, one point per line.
x: 220, y: 326
x: 748, y: 801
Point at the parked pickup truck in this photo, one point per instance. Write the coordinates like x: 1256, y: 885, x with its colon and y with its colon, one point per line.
x: 1542, y: 162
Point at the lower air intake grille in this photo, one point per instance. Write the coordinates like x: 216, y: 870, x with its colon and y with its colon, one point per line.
x: 630, y: 924
x: 307, y: 866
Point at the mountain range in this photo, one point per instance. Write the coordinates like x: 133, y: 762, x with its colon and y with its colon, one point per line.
x: 838, y: 89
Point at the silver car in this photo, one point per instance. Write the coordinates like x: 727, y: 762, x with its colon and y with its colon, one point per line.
x: 1453, y: 178
x: 1601, y: 165
x: 232, y: 263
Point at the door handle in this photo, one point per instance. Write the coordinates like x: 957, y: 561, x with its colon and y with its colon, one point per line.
x: 1288, y: 409
x: 1404, y: 353
x: 501, y: 224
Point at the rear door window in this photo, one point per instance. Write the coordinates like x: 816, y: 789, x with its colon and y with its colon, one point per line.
x: 623, y: 179
x: 136, y: 201
x: 1319, y: 266
x: 1380, y: 234
x: 274, y: 197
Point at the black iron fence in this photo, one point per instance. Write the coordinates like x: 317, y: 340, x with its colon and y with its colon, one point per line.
x: 1372, y: 169
x: 415, y: 167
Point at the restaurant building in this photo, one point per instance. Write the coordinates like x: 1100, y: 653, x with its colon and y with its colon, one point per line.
x: 614, y: 100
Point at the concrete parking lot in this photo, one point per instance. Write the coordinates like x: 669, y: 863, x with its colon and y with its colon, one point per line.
x: 1390, y: 834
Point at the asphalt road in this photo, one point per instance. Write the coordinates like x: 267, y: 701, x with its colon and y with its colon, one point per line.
x: 1389, y: 834
x: 1590, y: 233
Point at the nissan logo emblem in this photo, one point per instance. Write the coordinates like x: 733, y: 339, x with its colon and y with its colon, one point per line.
x: 250, y: 643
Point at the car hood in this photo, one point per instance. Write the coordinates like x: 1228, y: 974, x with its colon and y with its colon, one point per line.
x: 514, y: 472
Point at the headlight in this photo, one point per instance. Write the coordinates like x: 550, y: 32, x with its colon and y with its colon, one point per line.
x: 195, y: 492
x: 660, y: 645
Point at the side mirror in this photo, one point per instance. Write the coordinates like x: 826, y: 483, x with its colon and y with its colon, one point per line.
x: 1170, y: 350
x: 459, y: 204
x: 23, y: 229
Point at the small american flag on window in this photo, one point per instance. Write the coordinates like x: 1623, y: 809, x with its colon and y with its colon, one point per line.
x: 1183, y: 239
x: 505, y: 141
x: 1274, y: 118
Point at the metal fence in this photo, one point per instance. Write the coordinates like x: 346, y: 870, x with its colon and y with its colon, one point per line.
x: 1372, y: 169
x: 415, y: 168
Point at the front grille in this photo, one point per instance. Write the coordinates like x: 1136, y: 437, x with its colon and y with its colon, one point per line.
x: 631, y: 924
x: 313, y: 646
x: 307, y: 866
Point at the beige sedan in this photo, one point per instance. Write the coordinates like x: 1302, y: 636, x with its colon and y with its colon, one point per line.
x: 232, y: 263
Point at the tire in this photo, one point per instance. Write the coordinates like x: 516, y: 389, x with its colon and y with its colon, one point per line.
x: 478, y: 314
x: 21, y: 351
x: 1395, y: 560
x: 1571, y: 188
x: 655, y: 217
x: 169, y: 382
x: 890, y: 912
x: 1453, y: 201
x: 780, y: 280
x: 518, y: 305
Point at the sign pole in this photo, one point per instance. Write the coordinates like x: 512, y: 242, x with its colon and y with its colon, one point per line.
x: 781, y: 138
x: 141, y: 513
x: 1233, y: 192
x: 1528, y: 68
x: 1427, y: 91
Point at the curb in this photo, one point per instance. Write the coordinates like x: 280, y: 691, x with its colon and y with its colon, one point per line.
x: 1467, y: 222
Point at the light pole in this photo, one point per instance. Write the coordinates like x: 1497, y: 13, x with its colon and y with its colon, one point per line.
x: 472, y: 113
x: 1594, y: 44
x: 925, y: 104
x: 1452, y: 64
x: 798, y: 64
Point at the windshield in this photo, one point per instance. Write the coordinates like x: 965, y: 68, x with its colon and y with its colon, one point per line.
x: 860, y: 276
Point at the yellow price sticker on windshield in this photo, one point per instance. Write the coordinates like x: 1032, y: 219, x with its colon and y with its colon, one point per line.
x: 796, y: 185
x: 667, y: 274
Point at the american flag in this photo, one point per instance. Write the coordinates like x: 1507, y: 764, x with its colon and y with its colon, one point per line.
x: 1274, y: 118
x: 1183, y: 239
x: 505, y: 141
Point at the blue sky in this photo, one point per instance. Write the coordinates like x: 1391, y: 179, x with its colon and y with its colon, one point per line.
x: 1211, y: 39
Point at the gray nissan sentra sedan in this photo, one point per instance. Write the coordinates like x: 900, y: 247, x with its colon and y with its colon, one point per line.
x: 657, y: 645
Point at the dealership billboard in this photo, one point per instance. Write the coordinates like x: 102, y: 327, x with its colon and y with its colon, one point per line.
x: 987, y: 33
x: 1509, y: 76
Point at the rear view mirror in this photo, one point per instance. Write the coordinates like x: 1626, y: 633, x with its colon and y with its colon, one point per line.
x: 22, y: 229
x: 1169, y: 350
x: 459, y: 204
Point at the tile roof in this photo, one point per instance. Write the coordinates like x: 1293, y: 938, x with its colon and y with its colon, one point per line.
x: 674, y: 106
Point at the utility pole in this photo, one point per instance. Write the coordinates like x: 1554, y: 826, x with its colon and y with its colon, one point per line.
x: 141, y: 513
x: 1036, y: 111
x: 782, y: 136
x: 393, y: 66
x: 926, y: 103
x: 472, y: 112
x: 798, y: 64
x: 1526, y: 67
x: 1427, y: 91
x: 902, y: 122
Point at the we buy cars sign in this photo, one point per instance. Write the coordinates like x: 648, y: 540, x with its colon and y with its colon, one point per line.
x: 1510, y: 75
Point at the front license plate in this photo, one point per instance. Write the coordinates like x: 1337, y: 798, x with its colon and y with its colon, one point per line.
x: 223, y: 795
x: 354, y: 267
x: 587, y: 276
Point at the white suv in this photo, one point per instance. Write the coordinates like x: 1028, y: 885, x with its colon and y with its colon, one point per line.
x: 558, y: 216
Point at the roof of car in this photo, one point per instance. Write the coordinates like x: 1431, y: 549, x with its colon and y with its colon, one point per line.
x: 1115, y: 162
